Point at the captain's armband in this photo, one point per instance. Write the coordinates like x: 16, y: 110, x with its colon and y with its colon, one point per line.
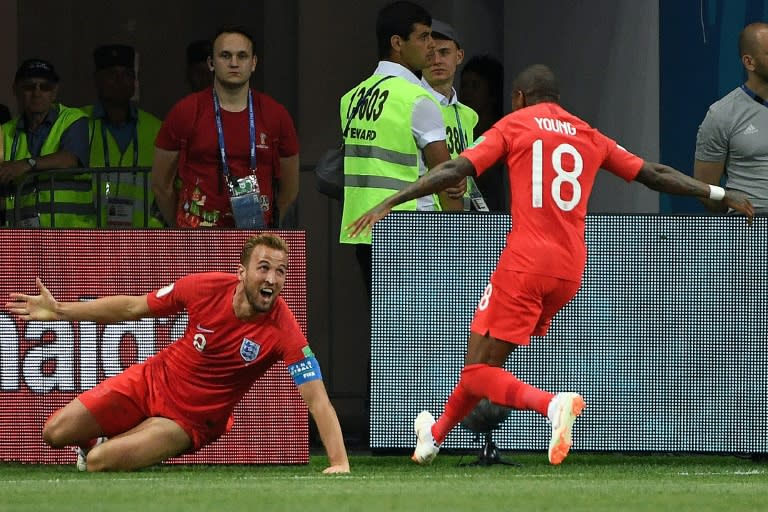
x: 306, y: 370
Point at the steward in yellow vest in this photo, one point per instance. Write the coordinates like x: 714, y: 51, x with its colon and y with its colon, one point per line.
x: 460, y: 120
x: 381, y: 155
x: 124, y: 189
x: 122, y: 137
x: 396, y: 130
x: 46, y: 136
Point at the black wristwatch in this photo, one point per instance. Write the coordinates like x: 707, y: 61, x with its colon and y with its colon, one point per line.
x: 32, y: 163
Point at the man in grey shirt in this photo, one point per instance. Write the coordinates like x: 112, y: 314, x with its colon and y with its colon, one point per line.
x: 733, y: 138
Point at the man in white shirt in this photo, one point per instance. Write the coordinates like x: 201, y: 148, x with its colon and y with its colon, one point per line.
x: 383, y: 153
x: 460, y: 120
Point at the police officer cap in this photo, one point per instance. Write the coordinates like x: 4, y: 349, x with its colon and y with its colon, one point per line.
x: 113, y: 55
x: 36, y: 68
x: 441, y: 28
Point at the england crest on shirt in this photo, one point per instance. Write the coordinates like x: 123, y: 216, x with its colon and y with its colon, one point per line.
x: 249, y: 350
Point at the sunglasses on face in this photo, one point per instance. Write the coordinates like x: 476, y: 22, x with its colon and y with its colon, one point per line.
x: 43, y: 86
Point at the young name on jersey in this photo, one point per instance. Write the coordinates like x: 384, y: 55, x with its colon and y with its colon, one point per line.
x: 555, y: 125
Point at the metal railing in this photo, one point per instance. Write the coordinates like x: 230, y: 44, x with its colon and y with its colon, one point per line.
x: 35, y: 182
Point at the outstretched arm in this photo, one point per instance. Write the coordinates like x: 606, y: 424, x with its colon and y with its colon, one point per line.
x: 327, y: 422
x: 105, y: 310
x: 452, y: 198
x: 663, y: 178
x: 445, y: 175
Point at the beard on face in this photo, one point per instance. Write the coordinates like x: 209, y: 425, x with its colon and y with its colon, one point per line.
x: 255, y: 300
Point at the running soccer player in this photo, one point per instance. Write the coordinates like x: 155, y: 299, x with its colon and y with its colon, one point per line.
x: 182, y: 398
x: 552, y: 157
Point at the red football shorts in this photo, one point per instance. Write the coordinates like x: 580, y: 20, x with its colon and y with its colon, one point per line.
x: 518, y: 305
x: 121, y: 402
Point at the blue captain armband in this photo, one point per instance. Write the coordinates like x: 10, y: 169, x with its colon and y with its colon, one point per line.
x: 306, y: 370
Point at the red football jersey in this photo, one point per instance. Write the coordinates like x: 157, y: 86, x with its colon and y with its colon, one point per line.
x: 215, y: 362
x: 190, y: 128
x: 552, y: 158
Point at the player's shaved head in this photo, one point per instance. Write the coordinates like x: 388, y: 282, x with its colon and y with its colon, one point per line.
x: 749, y: 38
x: 538, y: 84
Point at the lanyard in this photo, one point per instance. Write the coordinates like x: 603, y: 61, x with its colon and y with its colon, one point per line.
x: 105, y: 145
x: 475, y: 196
x: 461, y: 131
x: 15, y: 144
x: 220, y: 131
x: 754, y: 96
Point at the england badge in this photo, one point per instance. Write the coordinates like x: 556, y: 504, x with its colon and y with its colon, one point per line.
x: 249, y: 350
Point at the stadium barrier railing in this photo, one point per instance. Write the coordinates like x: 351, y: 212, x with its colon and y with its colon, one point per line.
x: 35, y: 182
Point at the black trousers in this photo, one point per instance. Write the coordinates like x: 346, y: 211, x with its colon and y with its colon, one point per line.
x: 364, y: 259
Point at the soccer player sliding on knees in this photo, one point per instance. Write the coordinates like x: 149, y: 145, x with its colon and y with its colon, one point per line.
x: 182, y: 398
x: 552, y: 158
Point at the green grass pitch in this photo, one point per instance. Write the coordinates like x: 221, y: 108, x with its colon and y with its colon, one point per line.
x: 589, y: 482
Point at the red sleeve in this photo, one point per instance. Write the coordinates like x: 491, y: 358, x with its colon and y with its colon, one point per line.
x: 170, y: 299
x: 177, y: 125
x: 486, y: 150
x: 293, y: 342
x: 621, y: 162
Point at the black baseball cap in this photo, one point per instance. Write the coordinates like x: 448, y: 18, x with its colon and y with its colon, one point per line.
x: 36, y: 68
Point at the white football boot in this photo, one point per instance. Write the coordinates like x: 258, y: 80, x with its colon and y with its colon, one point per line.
x: 562, y: 412
x: 82, y: 455
x: 426, y: 447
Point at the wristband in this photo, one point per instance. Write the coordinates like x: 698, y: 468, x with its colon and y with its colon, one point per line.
x: 716, y: 193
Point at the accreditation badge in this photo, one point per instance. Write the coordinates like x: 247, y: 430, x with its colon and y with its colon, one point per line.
x: 119, y: 212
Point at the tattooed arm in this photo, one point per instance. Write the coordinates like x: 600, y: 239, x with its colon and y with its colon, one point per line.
x: 443, y: 176
x: 663, y: 178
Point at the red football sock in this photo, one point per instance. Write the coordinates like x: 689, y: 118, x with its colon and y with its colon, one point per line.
x: 502, y: 388
x: 459, y: 404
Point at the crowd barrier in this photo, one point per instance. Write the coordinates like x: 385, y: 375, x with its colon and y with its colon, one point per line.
x: 44, y: 365
x: 39, y: 183
x: 667, y: 339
